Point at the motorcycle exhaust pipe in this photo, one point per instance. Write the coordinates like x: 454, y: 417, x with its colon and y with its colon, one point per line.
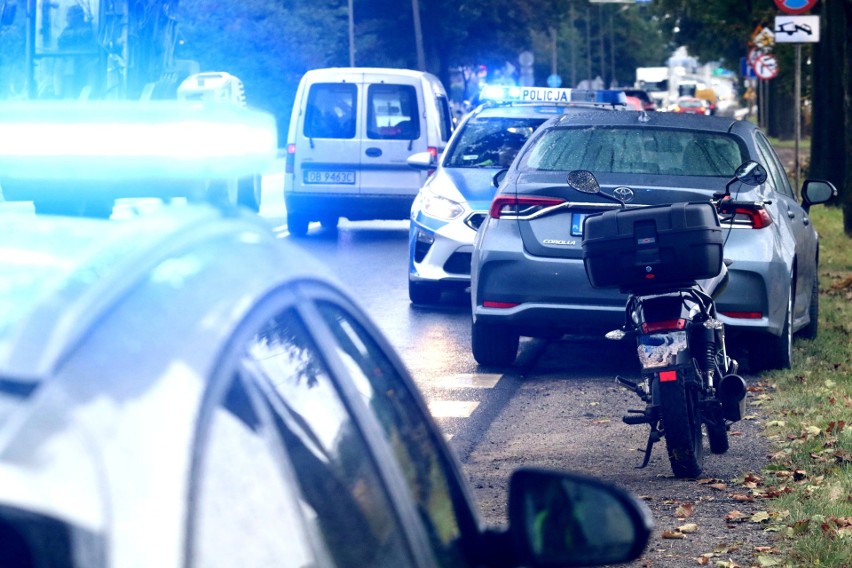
x: 731, y: 392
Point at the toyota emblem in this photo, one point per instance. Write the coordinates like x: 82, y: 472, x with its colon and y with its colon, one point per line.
x: 623, y: 193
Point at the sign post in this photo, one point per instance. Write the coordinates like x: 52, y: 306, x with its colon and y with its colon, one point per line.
x: 798, y: 30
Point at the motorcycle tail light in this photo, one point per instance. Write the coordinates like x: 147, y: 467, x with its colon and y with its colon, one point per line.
x: 513, y: 207
x: 665, y: 325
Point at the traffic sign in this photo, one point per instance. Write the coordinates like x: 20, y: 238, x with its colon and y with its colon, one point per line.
x: 763, y: 37
x: 756, y: 52
x: 797, y: 29
x: 766, y: 67
x: 795, y: 6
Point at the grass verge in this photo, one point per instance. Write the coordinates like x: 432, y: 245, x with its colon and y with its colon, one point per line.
x: 810, y: 430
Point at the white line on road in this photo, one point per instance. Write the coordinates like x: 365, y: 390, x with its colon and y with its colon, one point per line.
x: 468, y: 381
x: 452, y: 408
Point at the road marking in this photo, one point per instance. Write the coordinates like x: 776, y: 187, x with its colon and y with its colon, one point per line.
x: 452, y: 408
x: 469, y: 381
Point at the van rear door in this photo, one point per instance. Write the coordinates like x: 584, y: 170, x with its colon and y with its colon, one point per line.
x: 394, y: 129
x: 329, y: 146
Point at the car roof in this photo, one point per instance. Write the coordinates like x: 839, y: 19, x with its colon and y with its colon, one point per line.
x: 534, y: 110
x: 648, y: 119
x: 60, y: 274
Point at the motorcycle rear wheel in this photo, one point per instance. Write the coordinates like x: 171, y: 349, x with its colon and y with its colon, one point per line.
x: 681, y: 416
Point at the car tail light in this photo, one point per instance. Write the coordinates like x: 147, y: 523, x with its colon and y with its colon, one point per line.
x: 743, y: 315
x: 521, y: 207
x: 503, y: 305
x: 664, y: 325
x: 752, y: 216
x: 290, y: 163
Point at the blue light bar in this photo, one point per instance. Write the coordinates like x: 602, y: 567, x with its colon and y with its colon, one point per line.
x: 129, y: 140
x: 606, y: 96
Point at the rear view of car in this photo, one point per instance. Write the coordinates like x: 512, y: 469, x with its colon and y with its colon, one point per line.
x: 527, y: 273
x: 351, y: 131
x: 454, y: 200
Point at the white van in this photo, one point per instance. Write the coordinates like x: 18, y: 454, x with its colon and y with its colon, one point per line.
x: 351, y: 132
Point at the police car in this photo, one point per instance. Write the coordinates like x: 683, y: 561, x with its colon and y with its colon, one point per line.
x: 454, y: 200
x: 182, y: 388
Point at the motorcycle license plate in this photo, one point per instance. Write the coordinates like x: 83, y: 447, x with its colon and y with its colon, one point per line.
x: 661, y: 349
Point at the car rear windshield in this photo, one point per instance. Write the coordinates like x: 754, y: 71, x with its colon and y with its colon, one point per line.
x: 491, y: 141
x: 635, y: 151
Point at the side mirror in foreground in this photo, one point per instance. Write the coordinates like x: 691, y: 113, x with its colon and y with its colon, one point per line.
x: 559, y: 519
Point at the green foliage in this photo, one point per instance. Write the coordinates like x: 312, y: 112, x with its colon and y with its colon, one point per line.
x: 810, y: 476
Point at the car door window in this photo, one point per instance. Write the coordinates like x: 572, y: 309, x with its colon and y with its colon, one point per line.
x: 242, y: 503
x: 780, y: 181
x: 331, y: 111
x: 392, y: 112
x: 338, y: 478
x: 429, y: 476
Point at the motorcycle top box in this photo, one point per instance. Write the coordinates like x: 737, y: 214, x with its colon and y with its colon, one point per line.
x: 649, y: 247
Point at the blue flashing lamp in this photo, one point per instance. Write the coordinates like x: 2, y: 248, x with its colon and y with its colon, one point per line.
x: 126, y: 140
x: 605, y: 96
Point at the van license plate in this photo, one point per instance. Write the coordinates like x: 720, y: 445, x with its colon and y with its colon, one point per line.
x: 330, y: 177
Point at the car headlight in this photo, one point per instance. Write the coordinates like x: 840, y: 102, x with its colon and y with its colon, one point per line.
x: 440, y: 207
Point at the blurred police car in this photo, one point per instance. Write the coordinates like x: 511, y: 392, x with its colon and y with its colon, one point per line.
x: 454, y: 201
x: 182, y: 388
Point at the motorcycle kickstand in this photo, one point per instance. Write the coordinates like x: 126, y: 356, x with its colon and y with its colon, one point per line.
x: 653, y: 438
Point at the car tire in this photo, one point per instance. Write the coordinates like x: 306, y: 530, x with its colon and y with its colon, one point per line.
x: 494, y: 345
x: 776, y: 352
x: 248, y: 193
x: 329, y: 222
x: 297, y: 224
x: 424, y: 292
x: 811, y: 330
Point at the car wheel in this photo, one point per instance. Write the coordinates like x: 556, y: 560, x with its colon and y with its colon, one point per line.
x: 424, y: 292
x: 777, y: 352
x: 494, y: 345
x: 297, y: 224
x: 811, y: 330
x: 248, y: 193
x: 329, y: 222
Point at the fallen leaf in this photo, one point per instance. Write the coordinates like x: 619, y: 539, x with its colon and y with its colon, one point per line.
x: 673, y: 535
x: 685, y: 510
x: 759, y: 517
x: 735, y: 517
x: 688, y: 528
x: 718, y: 486
x: 739, y: 497
x: 767, y: 561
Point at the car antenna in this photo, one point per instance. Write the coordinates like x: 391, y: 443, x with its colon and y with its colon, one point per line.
x: 643, y: 116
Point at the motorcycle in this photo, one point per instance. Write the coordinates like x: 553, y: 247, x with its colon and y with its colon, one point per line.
x: 669, y: 260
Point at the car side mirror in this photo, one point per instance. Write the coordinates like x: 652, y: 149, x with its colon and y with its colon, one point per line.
x: 816, y: 191
x: 421, y: 161
x: 499, y: 177
x: 751, y: 173
x: 560, y: 519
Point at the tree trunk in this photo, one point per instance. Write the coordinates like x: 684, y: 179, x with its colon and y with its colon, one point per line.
x: 830, y: 136
x: 846, y: 188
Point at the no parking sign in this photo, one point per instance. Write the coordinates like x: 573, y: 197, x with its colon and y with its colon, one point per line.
x: 766, y: 66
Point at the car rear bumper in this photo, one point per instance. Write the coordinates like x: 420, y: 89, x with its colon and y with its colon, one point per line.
x: 355, y: 207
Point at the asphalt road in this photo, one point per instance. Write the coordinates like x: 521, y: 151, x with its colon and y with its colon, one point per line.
x: 557, y: 407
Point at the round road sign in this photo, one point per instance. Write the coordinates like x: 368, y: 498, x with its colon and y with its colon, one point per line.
x: 795, y: 6
x: 766, y: 66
